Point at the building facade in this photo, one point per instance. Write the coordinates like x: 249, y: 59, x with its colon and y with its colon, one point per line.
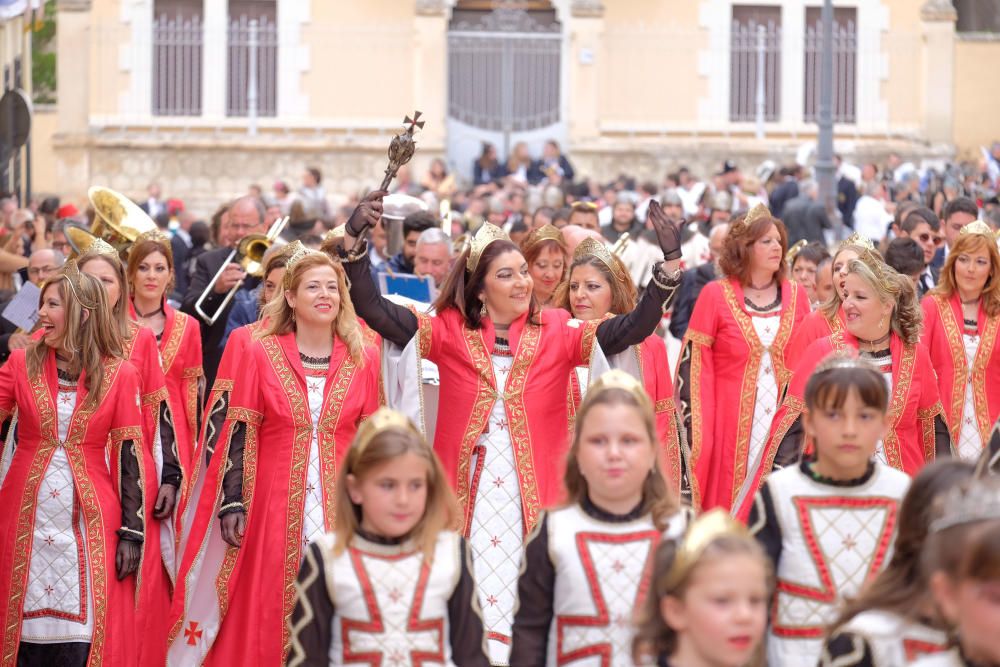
x: 207, y: 96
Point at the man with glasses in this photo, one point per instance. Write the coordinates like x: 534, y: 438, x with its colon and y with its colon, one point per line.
x: 923, y: 226
x: 42, y: 264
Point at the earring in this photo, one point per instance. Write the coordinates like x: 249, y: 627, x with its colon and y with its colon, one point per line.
x: 482, y: 310
x: 293, y: 315
x: 881, y: 322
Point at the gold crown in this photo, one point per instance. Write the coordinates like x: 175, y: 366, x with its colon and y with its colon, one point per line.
x: 619, y: 379
x: 75, y: 281
x: 337, y: 232
x: 753, y: 215
x: 547, y: 232
x: 705, y: 530
x: 975, y: 501
x: 296, y: 251
x: 880, y: 269
x: 486, y: 235
x: 83, y: 242
x: 978, y: 227
x: 844, y: 360
x: 598, y: 249
x: 381, y: 420
x: 159, y: 236
x: 857, y: 240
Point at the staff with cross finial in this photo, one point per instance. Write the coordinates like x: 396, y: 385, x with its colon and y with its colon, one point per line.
x: 401, y: 148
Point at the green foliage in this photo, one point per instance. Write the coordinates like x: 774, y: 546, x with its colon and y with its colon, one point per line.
x: 43, y: 56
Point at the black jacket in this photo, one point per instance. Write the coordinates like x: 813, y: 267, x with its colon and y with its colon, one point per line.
x: 692, y: 282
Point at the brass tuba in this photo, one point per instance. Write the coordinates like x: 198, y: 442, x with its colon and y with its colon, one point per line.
x: 249, y: 254
x: 118, y: 220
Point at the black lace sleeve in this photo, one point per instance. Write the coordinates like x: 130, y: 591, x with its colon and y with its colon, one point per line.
x: 168, y: 444
x: 942, y: 438
x: 989, y: 461
x: 216, y: 417
x: 763, y: 524
x: 682, y: 388
x: 465, y: 619
x: 232, y: 482
x: 846, y: 649
x: 312, y: 616
x: 533, y: 611
x: 790, y: 448
x: 618, y: 333
x: 393, y: 322
x: 130, y: 492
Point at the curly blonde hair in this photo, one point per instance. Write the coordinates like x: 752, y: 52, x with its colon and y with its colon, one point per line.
x: 891, y: 287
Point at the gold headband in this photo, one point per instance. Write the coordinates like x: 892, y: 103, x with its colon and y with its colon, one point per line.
x: 794, y: 251
x: 75, y: 281
x: 157, y: 236
x: 296, y: 251
x: 547, y: 232
x: 753, y: 215
x: 880, y: 269
x: 598, y: 249
x: 978, y: 227
x: 380, y: 421
x: 705, y: 530
x: 619, y: 379
x: 486, y: 235
x: 857, y: 240
x: 844, y: 360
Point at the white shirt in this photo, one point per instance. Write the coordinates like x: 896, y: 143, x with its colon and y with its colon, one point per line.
x: 870, y: 218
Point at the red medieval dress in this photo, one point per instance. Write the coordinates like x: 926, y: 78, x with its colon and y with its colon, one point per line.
x: 730, y: 379
x: 964, y: 355
x: 916, y: 433
x: 816, y: 325
x: 74, y: 489
x: 276, y: 458
x: 502, y: 434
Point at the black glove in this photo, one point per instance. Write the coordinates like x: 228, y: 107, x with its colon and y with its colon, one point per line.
x: 367, y: 214
x: 668, y: 232
x: 233, y: 526
x: 127, y: 558
x: 166, y: 499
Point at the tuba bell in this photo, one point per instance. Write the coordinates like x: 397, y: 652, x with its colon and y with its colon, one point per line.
x: 118, y: 220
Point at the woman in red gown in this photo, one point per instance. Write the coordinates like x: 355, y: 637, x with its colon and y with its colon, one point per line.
x: 505, y: 366
x: 598, y: 287
x: 883, y: 321
x: 961, y: 319
x: 733, y: 369
x: 306, y: 380
x: 828, y: 318
x: 72, y: 529
x: 545, y: 252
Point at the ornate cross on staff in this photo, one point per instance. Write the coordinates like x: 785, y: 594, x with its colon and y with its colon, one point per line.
x: 401, y: 148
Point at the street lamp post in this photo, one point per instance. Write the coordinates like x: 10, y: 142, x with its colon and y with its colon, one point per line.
x: 824, y: 155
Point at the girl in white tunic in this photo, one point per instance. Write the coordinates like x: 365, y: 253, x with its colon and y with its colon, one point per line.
x: 393, y: 584
x: 962, y: 560
x: 587, y: 565
x: 893, y: 623
x: 828, y: 525
x: 708, y: 599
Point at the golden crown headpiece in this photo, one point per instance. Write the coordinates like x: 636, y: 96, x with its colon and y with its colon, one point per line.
x: 598, y: 249
x: 75, y: 281
x: 880, y: 269
x: 705, y: 530
x: 380, y: 421
x: 794, y: 251
x: 857, y: 240
x: 619, y: 379
x: 486, y: 235
x: 296, y: 252
x: 337, y: 232
x: 753, y: 215
x: 978, y: 227
x: 845, y: 360
x: 547, y: 232
x: 972, y: 502
x: 159, y: 236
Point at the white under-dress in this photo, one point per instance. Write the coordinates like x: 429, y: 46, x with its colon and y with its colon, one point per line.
x: 970, y: 440
x: 313, y: 514
x: 497, y: 531
x: 58, y: 604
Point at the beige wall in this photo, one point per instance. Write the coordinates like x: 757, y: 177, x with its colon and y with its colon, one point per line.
x: 977, y: 95
x: 43, y: 157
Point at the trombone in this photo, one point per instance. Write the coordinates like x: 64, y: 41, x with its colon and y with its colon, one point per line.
x: 249, y: 254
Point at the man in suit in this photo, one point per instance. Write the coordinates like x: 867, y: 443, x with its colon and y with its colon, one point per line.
x: 693, y: 280
x: 42, y: 265
x: 153, y: 205
x: 924, y: 227
x: 246, y: 216
x: 804, y: 217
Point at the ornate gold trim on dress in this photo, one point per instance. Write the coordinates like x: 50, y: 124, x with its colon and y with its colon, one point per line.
x: 705, y: 530
x: 856, y: 239
x: 486, y: 235
x: 619, y: 379
x: 598, y: 249
x: 158, y: 236
x: 976, y: 501
x: 547, y: 232
x: 753, y: 215
x: 978, y: 227
x: 380, y: 421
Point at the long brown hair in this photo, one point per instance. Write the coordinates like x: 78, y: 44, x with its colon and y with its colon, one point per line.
x: 90, y: 336
x: 901, y: 588
x: 280, y: 317
x: 141, y: 251
x: 968, y: 550
x: 947, y: 286
x: 461, y: 289
x: 119, y: 311
x: 653, y: 636
x: 890, y: 287
x: 441, y: 511
x: 656, y: 496
x: 736, y: 249
x: 623, y: 292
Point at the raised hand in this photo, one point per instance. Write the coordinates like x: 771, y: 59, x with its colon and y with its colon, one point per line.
x: 668, y: 232
x: 366, y: 214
